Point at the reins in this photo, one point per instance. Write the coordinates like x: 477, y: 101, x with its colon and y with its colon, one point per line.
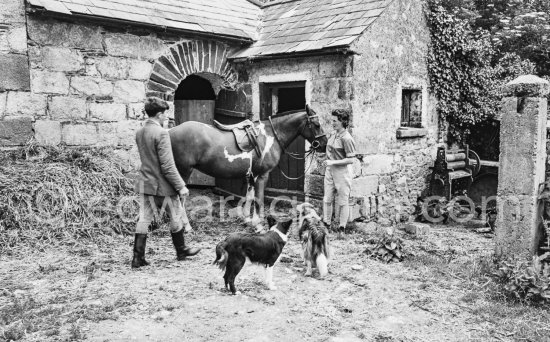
x: 310, y: 152
x: 293, y: 155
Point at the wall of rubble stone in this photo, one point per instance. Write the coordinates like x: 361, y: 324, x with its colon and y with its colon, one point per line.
x: 83, y: 84
x: 392, y: 57
x: 326, y: 89
x: 86, y: 83
x: 15, y: 80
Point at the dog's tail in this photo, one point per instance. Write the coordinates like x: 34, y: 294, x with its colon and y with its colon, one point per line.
x: 319, y: 242
x: 322, y: 264
x: 221, y: 256
x: 321, y: 250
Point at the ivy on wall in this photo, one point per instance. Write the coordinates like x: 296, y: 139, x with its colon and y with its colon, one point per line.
x: 460, y: 73
x: 466, y: 75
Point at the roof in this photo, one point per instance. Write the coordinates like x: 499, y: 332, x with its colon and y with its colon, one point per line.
x: 283, y: 27
x: 312, y: 25
x: 233, y: 18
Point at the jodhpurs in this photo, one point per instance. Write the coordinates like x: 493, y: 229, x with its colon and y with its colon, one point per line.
x: 152, y: 207
x: 338, y: 179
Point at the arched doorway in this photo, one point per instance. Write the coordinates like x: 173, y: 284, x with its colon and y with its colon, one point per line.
x: 195, y: 100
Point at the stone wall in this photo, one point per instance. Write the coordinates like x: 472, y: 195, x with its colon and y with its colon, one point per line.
x: 325, y: 82
x: 392, y: 57
x: 89, y: 82
x: 15, y: 81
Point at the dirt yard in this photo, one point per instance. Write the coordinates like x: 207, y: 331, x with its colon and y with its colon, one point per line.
x: 89, y: 292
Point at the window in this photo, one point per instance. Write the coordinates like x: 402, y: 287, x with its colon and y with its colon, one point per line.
x: 411, y: 114
x: 411, y: 108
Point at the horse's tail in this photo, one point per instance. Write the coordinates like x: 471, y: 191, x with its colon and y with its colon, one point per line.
x: 221, y: 256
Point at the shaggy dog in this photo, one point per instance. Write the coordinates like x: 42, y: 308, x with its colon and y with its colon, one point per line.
x: 314, y: 236
x: 263, y: 249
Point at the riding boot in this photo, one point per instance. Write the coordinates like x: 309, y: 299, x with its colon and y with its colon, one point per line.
x: 179, y: 243
x: 140, y: 242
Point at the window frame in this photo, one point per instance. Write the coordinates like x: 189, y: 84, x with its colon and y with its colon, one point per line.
x: 269, y: 95
x: 405, y: 129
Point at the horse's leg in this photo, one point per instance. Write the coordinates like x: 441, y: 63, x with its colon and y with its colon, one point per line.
x: 185, y: 174
x: 258, y: 214
x: 249, y: 199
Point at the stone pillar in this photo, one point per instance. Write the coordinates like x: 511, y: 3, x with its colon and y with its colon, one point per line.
x: 521, y: 165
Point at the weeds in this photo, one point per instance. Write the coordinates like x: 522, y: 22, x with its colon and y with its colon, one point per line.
x: 75, y: 333
x: 528, y: 282
x: 388, y: 248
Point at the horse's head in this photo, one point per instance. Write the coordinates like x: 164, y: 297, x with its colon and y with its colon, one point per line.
x: 313, y: 132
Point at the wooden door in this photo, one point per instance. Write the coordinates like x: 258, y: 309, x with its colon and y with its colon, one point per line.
x: 280, y: 182
x: 279, y: 99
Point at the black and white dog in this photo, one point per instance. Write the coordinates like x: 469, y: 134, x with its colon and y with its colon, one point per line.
x: 263, y: 249
x: 313, y: 233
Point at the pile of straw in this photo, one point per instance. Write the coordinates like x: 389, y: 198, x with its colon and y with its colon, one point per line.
x: 50, y: 195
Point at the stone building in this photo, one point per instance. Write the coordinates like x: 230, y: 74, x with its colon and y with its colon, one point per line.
x: 76, y: 73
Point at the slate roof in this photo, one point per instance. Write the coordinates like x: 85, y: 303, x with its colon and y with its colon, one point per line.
x: 282, y: 27
x: 310, y: 25
x: 235, y: 18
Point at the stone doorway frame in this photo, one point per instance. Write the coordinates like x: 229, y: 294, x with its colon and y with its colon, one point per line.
x: 203, y: 57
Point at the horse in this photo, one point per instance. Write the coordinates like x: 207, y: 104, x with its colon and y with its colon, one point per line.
x: 200, y: 146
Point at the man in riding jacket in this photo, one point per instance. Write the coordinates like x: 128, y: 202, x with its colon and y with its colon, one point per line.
x: 159, y: 184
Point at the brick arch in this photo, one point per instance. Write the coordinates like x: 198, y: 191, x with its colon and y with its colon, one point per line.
x: 186, y: 58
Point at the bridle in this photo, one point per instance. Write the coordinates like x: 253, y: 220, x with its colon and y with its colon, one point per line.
x: 315, y: 144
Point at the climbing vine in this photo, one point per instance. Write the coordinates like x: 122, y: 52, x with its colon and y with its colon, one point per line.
x: 460, y: 72
x: 466, y: 75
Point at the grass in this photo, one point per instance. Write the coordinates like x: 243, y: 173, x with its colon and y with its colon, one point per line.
x: 61, y: 316
x: 477, y: 292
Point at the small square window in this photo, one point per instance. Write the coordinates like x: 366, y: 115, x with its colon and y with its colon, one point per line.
x: 411, y: 108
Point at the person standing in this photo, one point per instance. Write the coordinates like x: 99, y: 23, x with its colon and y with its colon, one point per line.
x: 339, y: 171
x: 159, y: 184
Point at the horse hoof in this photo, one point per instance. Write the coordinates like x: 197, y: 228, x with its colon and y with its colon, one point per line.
x: 247, y: 220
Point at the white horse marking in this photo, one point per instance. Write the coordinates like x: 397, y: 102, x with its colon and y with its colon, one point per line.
x: 231, y: 158
x: 268, y: 140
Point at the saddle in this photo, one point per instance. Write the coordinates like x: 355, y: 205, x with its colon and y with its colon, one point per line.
x: 245, y: 135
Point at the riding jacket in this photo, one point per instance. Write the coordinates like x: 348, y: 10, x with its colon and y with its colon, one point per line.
x: 158, y: 173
